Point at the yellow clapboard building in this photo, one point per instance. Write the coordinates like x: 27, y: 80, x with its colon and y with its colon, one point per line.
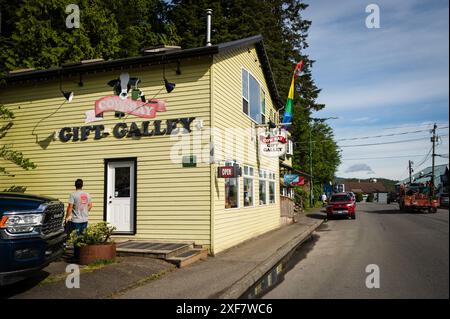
x: 157, y: 164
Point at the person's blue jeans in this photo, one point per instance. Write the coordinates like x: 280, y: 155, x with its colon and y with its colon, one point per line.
x: 79, y: 227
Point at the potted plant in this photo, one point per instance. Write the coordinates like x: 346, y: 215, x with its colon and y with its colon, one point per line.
x: 94, y: 243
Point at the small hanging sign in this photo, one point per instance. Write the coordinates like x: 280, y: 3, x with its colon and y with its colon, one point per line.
x: 230, y: 171
x: 273, y: 143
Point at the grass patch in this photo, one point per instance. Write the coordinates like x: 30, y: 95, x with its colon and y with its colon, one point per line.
x: 83, y: 269
x: 141, y: 282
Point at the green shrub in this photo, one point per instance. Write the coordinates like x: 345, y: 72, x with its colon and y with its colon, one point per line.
x: 359, y: 197
x: 370, y: 198
x: 93, y: 235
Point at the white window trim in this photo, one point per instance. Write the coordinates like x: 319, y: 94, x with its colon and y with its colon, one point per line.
x: 238, y: 188
x: 290, y: 148
x: 265, y: 180
x: 248, y: 99
x: 269, y: 179
x: 252, y: 177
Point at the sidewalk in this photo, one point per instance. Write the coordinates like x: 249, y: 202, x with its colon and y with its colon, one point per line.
x: 104, y: 282
x: 229, y: 274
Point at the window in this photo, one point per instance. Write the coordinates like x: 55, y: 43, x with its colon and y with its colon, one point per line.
x: 262, y: 187
x: 122, y: 182
x: 340, y: 198
x: 291, y: 193
x: 290, y: 148
x: 271, y: 188
x: 231, y: 191
x: 253, y: 98
x: 248, y: 186
x: 263, y: 107
x: 245, y: 91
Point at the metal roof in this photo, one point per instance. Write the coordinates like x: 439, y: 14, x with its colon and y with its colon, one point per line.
x: 164, y: 57
x: 426, y: 173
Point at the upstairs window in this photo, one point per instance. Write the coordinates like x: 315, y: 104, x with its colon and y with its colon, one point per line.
x: 253, y: 98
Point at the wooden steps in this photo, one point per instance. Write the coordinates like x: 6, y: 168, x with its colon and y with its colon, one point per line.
x: 189, y: 257
x: 180, y: 254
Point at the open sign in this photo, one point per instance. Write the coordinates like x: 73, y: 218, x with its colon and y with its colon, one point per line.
x: 228, y: 171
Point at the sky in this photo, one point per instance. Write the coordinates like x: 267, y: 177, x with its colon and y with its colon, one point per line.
x: 382, y: 81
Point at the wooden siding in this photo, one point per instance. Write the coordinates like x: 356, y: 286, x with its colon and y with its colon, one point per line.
x: 232, y: 226
x: 173, y: 203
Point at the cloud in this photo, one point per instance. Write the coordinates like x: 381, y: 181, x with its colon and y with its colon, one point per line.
x: 361, y: 167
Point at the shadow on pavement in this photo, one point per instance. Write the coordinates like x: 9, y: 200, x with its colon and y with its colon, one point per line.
x: 278, y: 272
x: 321, y: 215
x: 396, y: 211
x: 20, y: 287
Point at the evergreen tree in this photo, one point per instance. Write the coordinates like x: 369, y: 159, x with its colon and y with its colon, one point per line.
x: 34, y: 33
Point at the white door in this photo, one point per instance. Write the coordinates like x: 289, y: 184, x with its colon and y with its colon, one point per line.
x: 120, y: 196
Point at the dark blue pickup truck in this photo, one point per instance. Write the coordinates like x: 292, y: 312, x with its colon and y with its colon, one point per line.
x: 31, y: 234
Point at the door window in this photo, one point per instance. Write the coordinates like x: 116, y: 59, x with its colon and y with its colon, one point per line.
x: 122, y: 182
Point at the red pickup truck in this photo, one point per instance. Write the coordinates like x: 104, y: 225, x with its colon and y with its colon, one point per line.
x: 341, y: 204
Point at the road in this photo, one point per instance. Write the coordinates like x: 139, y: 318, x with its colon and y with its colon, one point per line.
x: 410, y: 249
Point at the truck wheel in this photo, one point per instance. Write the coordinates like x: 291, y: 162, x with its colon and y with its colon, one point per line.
x: 354, y: 216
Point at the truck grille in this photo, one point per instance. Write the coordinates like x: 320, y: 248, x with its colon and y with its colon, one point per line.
x: 54, y: 215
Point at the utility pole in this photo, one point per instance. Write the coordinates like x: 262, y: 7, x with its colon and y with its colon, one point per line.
x: 311, y: 195
x: 433, y: 140
x: 410, y: 163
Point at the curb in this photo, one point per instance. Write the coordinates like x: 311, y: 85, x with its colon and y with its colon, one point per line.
x: 242, y: 285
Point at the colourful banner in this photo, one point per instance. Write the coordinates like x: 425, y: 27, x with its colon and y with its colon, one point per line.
x: 294, y: 179
x: 287, y: 118
x: 114, y: 103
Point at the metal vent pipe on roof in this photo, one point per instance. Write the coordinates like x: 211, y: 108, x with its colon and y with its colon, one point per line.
x: 208, y: 27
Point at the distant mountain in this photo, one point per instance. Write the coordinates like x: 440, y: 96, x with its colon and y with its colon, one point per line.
x: 388, y: 183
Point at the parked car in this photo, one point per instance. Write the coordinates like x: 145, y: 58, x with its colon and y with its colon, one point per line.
x: 31, y: 234
x: 341, y: 204
x: 352, y: 196
x: 443, y: 200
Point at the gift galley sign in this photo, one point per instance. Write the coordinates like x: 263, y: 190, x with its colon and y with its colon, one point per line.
x: 127, y: 130
x: 273, y: 143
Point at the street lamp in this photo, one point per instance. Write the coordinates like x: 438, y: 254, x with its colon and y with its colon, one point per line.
x: 311, y: 193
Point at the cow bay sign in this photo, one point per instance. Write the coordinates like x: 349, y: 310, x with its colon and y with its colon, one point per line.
x: 130, y: 130
x: 273, y: 143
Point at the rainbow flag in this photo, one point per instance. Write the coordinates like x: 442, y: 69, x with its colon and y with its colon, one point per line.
x: 287, y: 117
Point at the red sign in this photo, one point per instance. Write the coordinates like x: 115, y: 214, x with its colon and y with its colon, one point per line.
x: 138, y: 108
x: 273, y: 139
x: 146, y: 109
x: 228, y: 171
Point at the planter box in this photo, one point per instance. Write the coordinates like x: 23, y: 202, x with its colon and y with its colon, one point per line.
x: 92, y: 253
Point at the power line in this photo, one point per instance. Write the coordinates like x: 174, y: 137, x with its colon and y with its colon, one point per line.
x: 425, y: 159
x: 385, y: 157
x: 373, y: 136
x: 393, y: 142
x: 413, y: 125
x: 385, y: 135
